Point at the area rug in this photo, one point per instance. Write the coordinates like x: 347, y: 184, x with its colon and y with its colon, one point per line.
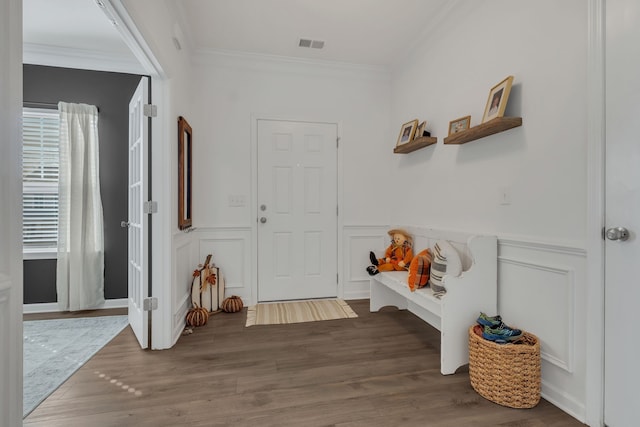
x: 278, y: 313
x: 55, y: 349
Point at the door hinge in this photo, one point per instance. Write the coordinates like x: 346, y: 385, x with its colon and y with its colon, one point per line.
x: 337, y: 207
x: 150, y: 207
x: 150, y: 304
x: 337, y: 279
x: 150, y: 110
x: 338, y: 142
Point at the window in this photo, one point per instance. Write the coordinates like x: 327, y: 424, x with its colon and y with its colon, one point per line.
x: 40, y: 160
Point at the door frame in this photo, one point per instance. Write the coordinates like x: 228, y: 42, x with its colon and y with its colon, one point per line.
x: 254, y: 194
x: 11, y: 286
x: 162, y: 127
x: 594, y: 381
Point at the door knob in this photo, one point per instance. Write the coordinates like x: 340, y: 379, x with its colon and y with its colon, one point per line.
x: 617, y: 233
x: 263, y: 220
x: 124, y: 224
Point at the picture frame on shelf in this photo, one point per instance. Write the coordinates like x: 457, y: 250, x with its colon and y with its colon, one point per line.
x: 458, y: 125
x: 420, y: 130
x: 407, y: 132
x: 497, y: 101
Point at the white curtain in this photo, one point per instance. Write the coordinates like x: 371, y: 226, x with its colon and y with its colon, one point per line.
x: 80, y: 269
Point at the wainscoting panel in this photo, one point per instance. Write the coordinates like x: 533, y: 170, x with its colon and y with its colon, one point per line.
x: 358, y: 241
x: 542, y: 286
x: 186, y: 260
x: 231, y: 250
x: 542, y: 289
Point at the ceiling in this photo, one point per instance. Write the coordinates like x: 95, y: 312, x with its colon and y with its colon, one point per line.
x: 367, y: 32
x: 72, y: 24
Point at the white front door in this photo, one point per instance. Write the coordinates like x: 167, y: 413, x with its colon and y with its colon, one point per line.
x: 297, y: 210
x: 622, y: 197
x: 138, y: 220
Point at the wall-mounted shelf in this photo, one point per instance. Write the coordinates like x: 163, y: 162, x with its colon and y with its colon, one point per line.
x: 415, y: 144
x: 497, y: 125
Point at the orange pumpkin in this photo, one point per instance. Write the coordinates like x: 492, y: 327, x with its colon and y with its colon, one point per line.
x: 232, y: 304
x: 197, y: 316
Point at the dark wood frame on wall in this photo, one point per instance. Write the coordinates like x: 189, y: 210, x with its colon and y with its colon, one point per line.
x: 185, y: 154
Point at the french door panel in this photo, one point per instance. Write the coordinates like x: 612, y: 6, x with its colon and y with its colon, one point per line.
x: 138, y: 219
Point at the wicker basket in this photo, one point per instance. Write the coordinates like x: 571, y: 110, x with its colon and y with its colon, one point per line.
x: 507, y: 374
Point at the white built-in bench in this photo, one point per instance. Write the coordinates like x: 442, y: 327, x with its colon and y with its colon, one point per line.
x: 472, y: 292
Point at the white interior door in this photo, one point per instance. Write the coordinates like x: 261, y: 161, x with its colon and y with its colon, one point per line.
x: 297, y: 210
x: 622, y: 269
x: 138, y: 220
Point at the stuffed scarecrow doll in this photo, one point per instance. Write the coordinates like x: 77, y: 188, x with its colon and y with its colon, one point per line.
x: 397, y: 256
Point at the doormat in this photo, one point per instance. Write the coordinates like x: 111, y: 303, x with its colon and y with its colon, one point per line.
x: 280, y: 313
x: 54, y: 349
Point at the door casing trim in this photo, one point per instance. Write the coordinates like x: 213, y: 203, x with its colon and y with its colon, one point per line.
x: 254, y: 194
x: 596, y: 121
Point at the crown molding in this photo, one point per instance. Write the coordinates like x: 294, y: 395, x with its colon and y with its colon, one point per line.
x: 55, y: 56
x: 286, y: 63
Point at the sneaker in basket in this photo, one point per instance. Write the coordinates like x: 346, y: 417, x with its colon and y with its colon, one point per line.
x: 492, y: 322
x: 501, y: 334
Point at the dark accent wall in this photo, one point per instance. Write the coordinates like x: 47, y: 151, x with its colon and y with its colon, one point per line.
x: 111, y: 93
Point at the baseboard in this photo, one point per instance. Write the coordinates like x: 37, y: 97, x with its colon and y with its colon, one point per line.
x: 52, y: 307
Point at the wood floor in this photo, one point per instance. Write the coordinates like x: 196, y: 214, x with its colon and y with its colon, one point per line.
x: 381, y: 369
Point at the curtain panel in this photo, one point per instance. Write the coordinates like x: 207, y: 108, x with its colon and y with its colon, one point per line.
x: 80, y: 268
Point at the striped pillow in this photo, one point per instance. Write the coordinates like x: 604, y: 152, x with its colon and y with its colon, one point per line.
x: 446, y: 261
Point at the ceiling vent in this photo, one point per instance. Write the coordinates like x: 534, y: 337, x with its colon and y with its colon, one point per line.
x: 314, y: 44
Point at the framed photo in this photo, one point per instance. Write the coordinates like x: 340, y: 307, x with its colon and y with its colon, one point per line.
x: 497, y: 102
x: 458, y: 125
x: 407, y: 132
x: 420, y: 130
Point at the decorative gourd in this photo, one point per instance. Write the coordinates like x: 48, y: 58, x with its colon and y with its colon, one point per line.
x: 197, y: 316
x: 232, y: 304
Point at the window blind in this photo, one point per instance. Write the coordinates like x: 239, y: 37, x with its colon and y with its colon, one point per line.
x: 40, y: 163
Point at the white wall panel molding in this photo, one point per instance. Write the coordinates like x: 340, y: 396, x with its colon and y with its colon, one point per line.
x: 561, y: 279
x: 231, y: 250
x: 358, y: 241
x: 542, y: 288
x: 184, y: 260
x: 569, y: 248
x: 180, y: 315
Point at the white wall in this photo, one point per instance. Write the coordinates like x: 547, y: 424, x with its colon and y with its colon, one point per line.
x: 229, y: 92
x: 542, y: 233
x: 543, y: 45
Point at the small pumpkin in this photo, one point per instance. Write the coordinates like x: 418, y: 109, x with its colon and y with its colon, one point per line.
x: 197, y: 316
x: 232, y: 304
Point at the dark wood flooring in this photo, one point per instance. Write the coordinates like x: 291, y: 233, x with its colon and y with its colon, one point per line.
x: 381, y: 369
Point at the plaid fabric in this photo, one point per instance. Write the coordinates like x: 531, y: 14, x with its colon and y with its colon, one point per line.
x: 419, y: 270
